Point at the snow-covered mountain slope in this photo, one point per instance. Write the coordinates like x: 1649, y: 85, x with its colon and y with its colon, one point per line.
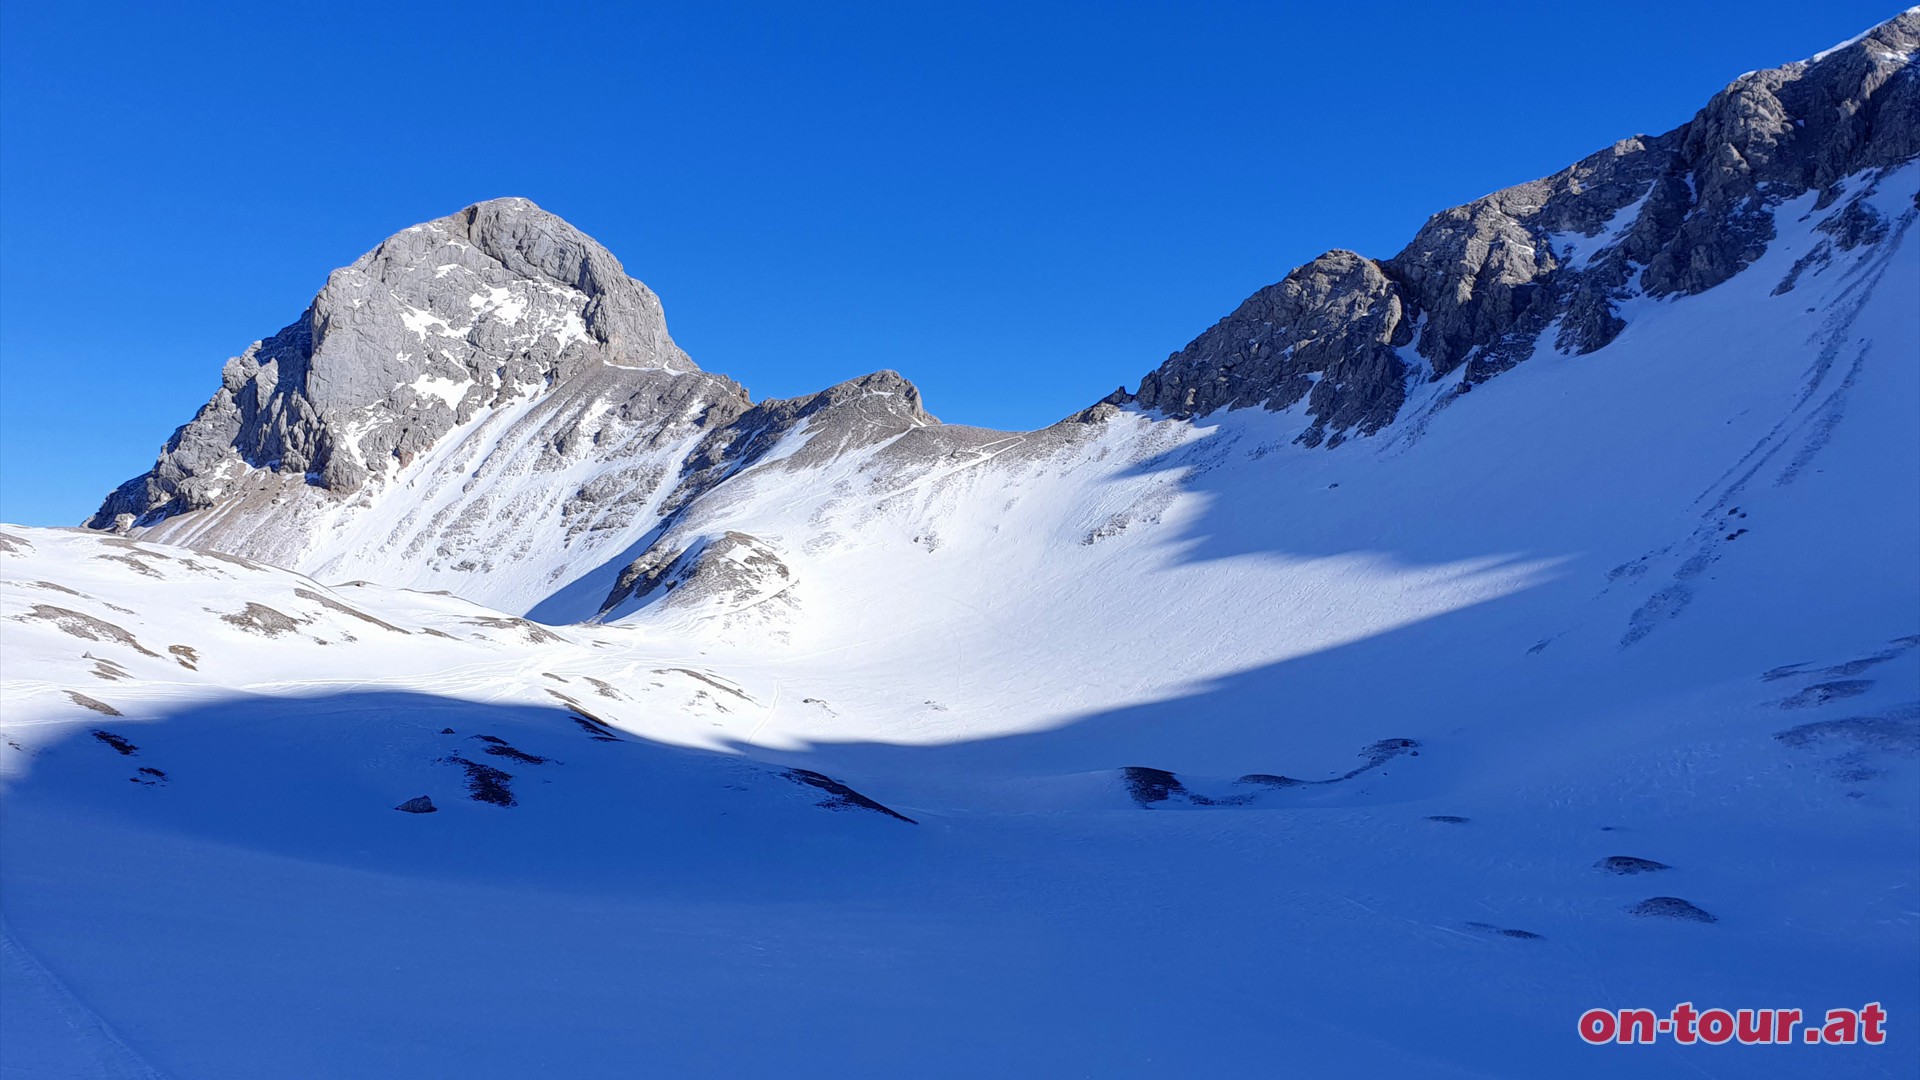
x: 1217, y: 729
x: 487, y: 403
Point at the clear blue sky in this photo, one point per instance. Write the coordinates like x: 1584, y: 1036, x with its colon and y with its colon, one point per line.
x: 1018, y: 207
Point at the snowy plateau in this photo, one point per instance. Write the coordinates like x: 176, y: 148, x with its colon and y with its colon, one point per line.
x: 1438, y: 648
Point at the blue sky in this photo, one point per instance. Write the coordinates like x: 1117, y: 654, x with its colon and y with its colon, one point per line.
x: 1019, y: 207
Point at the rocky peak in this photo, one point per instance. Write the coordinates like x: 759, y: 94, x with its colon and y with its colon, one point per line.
x: 516, y: 238
x: 440, y: 322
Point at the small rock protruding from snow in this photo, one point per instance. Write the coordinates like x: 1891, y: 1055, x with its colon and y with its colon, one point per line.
x: 1671, y: 907
x: 1629, y: 864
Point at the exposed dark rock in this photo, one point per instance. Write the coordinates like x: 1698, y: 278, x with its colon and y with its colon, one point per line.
x: 86, y: 702
x: 839, y: 796
x: 1270, y: 780
x: 1860, y: 664
x: 261, y: 619
x: 604, y: 688
x: 1149, y: 786
x: 105, y: 669
x: 1859, y: 748
x: 532, y: 631
x: 331, y: 604
x: 1489, y: 928
x: 1821, y: 693
x: 499, y: 747
x: 1670, y: 907
x: 596, y: 729
x: 136, y: 564
x: 485, y: 783
x: 1628, y: 864
x: 85, y: 626
x: 149, y: 776
x: 419, y: 804
x: 1897, y: 732
x: 1448, y: 819
x: 1379, y: 753
x: 126, y: 748
x: 705, y: 677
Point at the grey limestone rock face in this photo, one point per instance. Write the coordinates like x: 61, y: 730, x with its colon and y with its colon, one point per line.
x: 847, y: 416
x: 441, y: 321
x: 1480, y: 284
x: 733, y: 570
x: 877, y: 418
x: 1329, y: 332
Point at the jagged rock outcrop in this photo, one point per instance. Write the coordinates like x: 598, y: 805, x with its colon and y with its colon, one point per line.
x: 729, y: 572
x: 1481, y: 284
x: 844, y: 417
x: 792, y: 434
x: 1330, y: 332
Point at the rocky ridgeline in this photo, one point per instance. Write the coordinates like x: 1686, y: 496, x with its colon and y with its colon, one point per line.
x: 1481, y: 284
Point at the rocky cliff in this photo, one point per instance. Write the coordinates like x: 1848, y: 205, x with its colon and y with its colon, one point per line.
x: 1547, y: 264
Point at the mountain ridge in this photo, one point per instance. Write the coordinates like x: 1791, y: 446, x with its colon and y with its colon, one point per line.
x: 500, y: 342
x: 1480, y: 283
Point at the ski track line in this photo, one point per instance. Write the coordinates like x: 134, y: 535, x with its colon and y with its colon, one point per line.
x: 112, y: 1057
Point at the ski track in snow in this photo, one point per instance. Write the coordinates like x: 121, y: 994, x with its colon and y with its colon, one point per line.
x: 35, y: 996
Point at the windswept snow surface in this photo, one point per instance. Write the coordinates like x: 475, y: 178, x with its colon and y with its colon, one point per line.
x: 1139, y: 748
